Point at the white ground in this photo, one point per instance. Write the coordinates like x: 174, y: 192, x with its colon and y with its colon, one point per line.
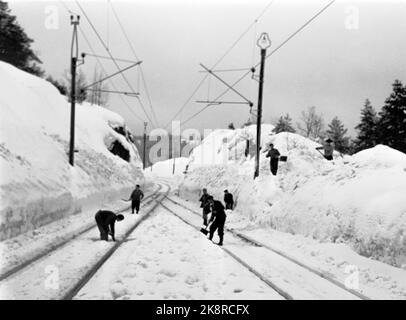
x: 37, y: 184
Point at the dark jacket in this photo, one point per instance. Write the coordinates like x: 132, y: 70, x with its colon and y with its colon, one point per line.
x: 106, y: 219
x: 328, y: 150
x: 203, y: 200
x: 273, y: 154
x: 228, y: 198
x: 218, y: 211
x: 137, y: 195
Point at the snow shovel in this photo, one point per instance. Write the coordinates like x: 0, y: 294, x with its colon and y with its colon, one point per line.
x: 320, y: 153
x: 204, y: 230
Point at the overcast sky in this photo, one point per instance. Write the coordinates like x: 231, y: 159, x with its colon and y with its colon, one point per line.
x: 352, y: 51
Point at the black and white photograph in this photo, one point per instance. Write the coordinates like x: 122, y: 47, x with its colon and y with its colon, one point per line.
x: 203, y: 150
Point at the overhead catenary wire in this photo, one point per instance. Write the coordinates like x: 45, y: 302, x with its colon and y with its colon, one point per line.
x: 102, y: 67
x: 221, y: 59
x: 114, y: 61
x: 110, y: 80
x: 135, y: 55
x: 267, y: 56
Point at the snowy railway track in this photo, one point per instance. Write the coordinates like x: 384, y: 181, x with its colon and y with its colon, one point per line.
x: 243, y: 263
x: 69, y: 295
x: 43, y: 253
x: 253, y: 242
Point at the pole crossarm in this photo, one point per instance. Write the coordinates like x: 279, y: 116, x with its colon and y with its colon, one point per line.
x: 227, y: 70
x: 112, y: 75
x: 223, y: 102
x: 108, y: 58
x: 118, y: 92
x: 225, y: 83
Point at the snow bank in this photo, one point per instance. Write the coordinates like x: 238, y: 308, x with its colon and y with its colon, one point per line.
x: 37, y: 184
x: 358, y: 200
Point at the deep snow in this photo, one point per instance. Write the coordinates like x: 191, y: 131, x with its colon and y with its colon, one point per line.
x: 358, y: 200
x: 37, y: 184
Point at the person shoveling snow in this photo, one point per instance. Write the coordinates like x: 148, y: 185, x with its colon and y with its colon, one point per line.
x: 217, y: 219
x: 205, y: 206
x: 136, y: 196
x: 105, y: 222
x: 274, y: 155
x: 328, y: 149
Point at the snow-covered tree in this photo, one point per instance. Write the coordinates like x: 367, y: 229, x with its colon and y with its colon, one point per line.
x: 312, y: 124
x: 284, y: 124
x: 392, y: 122
x: 80, y: 84
x: 15, y: 45
x: 337, y: 132
x: 59, y: 85
x: 367, y: 129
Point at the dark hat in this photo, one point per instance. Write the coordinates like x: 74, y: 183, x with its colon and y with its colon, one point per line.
x: 210, y: 198
x: 329, y: 140
x: 120, y: 217
x: 226, y: 190
x: 138, y: 185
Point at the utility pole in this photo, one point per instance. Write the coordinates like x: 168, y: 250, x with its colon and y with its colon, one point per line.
x: 263, y: 42
x: 74, y: 58
x: 145, y: 143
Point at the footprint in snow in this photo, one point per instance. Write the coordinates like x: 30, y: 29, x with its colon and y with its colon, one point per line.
x: 238, y: 290
x: 118, y: 290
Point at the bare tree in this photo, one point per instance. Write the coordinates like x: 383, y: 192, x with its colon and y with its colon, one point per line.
x: 80, y: 84
x: 312, y: 124
x: 97, y: 93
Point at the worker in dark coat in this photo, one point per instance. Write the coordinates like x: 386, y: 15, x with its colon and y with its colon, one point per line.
x: 274, y: 155
x: 217, y: 219
x: 136, y: 196
x: 328, y: 149
x: 205, y: 206
x: 105, y: 222
x: 228, y: 200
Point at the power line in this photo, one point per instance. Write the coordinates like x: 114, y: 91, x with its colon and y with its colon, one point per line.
x: 102, y: 67
x: 270, y: 54
x: 110, y: 81
x: 221, y: 59
x: 109, y: 53
x: 135, y: 55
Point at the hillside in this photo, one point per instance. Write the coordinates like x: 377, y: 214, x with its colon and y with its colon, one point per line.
x: 37, y: 184
x: 358, y: 200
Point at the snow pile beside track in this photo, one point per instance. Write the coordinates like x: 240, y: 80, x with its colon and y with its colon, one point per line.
x: 358, y: 200
x: 37, y: 183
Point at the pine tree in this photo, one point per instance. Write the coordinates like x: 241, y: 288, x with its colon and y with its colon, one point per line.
x: 231, y: 126
x: 284, y: 124
x: 392, y: 122
x: 336, y: 132
x: 15, y: 45
x: 59, y: 85
x: 367, y: 129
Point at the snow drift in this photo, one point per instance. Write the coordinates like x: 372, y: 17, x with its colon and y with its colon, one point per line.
x: 37, y: 184
x: 358, y: 200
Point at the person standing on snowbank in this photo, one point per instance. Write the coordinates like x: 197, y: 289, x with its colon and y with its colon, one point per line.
x: 217, y: 219
x: 136, y: 196
x: 274, y: 155
x: 205, y: 205
x: 228, y: 200
x: 105, y: 222
x: 328, y: 149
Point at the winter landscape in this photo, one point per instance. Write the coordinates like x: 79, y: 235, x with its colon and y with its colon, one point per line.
x: 306, y: 222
